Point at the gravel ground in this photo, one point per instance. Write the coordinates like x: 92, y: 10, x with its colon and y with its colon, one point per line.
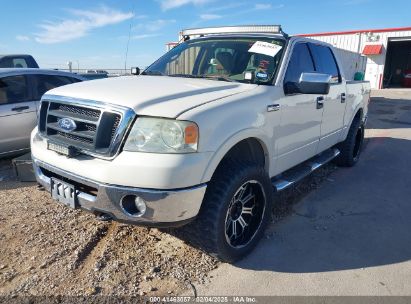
x: 47, y: 249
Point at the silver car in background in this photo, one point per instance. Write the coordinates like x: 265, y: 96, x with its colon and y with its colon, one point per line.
x: 20, y: 93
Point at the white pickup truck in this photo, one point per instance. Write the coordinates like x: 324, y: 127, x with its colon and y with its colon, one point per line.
x: 206, y: 135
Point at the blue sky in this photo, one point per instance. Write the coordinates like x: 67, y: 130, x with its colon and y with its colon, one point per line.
x: 94, y: 34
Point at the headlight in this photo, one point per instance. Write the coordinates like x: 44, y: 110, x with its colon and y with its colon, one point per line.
x: 160, y: 135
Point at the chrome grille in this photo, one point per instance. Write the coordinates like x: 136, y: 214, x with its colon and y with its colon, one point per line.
x: 96, y: 127
x: 79, y: 110
x: 72, y: 137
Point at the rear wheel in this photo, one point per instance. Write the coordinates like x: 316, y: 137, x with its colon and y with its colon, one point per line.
x: 351, y: 148
x: 235, y: 211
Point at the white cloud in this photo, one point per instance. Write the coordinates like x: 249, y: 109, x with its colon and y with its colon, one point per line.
x: 262, y: 6
x: 143, y: 36
x: 155, y: 25
x: 210, y: 16
x: 139, y: 17
x: 22, y: 38
x: 266, y: 6
x: 169, y: 4
x: 82, y: 22
x: 227, y: 7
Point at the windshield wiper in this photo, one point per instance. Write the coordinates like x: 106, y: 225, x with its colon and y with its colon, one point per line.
x: 219, y: 77
x: 186, y: 75
x: 152, y: 73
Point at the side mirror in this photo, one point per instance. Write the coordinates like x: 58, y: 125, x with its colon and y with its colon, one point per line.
x: 310, y: 83
x: 135, y: 71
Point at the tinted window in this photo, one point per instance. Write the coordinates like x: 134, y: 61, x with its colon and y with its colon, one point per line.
x: 324, y: 61
x: 13, y: 89
x: 19, y: 63
x: 10, y: 62
x: 44, y: 83
x: 300, y: 62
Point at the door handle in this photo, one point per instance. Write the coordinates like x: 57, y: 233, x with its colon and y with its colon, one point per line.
x: 320, y: 102
x: 273, y: 107
x: 343, y: 98
x: 19, y: 109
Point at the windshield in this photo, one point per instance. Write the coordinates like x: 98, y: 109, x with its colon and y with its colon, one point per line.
x: 251, y: 60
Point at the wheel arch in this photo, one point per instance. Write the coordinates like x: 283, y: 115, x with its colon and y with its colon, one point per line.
x: 359, y: 113
x: 244, y: 146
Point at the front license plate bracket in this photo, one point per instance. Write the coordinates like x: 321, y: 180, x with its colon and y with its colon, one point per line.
x: 64, y: 193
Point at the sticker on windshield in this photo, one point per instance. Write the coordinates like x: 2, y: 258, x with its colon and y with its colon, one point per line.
x: 265, y: 48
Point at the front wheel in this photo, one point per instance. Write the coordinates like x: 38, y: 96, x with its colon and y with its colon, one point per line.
x: 235, y: 211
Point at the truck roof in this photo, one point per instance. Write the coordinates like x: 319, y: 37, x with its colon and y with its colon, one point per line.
x: 14, y: 55
x: 25, y: 71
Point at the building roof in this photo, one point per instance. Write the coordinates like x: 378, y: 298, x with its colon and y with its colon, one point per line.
x: 393, y: 29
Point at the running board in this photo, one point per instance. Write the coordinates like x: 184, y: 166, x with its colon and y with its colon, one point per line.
x: 293, y: 175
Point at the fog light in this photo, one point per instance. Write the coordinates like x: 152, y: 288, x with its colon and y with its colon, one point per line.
x: 133, y: 205
x: 140, y: 205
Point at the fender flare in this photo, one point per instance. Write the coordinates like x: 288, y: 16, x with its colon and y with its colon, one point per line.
x: 230, y: 142
x: 357, y: 109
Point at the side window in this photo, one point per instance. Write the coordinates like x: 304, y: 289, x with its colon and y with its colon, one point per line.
x: 325, y: 62
x: 19, y: 63
x: 300, y: 62
x: 44, y: 83
x: 13, y: 89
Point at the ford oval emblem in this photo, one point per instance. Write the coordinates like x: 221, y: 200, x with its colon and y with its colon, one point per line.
x: 67, y: 124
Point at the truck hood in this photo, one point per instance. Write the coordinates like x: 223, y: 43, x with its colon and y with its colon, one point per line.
x: 153, y: 95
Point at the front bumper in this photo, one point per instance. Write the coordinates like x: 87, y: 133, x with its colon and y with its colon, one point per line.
x: 165, y: 208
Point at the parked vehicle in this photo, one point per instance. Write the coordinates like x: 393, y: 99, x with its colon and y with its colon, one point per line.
x: 406, y: 81
x: 18, y: 61
x: 207, y: 134
x: 95, y: 74
x: 20, y: 94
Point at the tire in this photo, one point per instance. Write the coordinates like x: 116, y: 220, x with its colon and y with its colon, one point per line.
x: 351, y: 148
x: 239, y: 195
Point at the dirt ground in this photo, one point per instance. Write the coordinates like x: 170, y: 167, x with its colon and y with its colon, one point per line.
x: 47, y: 249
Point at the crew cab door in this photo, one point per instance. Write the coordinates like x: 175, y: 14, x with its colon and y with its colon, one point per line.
x: 334, y: 103
x: 299, y: 132
x: 17, y: 114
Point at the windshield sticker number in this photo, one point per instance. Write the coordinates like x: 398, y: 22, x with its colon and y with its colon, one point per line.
x: 265, y: 48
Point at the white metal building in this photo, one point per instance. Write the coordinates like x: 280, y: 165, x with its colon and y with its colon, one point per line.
x: 388, y: 52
